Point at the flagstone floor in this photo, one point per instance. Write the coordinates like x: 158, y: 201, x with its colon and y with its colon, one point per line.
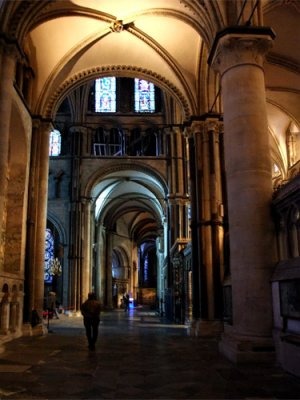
x: 137, y: 356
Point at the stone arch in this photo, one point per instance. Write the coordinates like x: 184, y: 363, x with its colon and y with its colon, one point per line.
x: 123, y: 259
x: 58, y: 226
x: 61, y: 281
x: 139, y: 167
x: 5, y: 288
x: 49, y: 108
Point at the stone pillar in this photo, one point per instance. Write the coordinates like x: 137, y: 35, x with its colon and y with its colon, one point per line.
x: 109, y: 249
x: 207, y: 310
x: 5, y: 313
x: 207, y: 223
x: 13, y: 316
x: 101, y: 262
x: 37, y: 218
x: 41, y: 214
x: 7, y: 68
x: 20, y: 301
x: 237, y: 54
x: 195, y: 235
x: 178, y: 218
x: 76, y: 221
x: 179, y: 200
x: 86, y: 283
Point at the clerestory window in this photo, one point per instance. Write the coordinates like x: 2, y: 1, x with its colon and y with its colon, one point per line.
x: 105, y: 95
x: 144, y: 96
x: 125, y: 95
x: 55, y: 143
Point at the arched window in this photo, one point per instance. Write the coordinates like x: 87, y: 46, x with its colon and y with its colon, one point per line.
x: 49, y: 255
x: 144, y: 96
x: 105, y: 95
x: 55, y: 143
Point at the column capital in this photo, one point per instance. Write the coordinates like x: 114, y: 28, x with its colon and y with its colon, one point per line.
x: 197, y: 127
x: 236, y: 46
x: 78, y: 128
x: 42, y: 124
x: 11, y: 49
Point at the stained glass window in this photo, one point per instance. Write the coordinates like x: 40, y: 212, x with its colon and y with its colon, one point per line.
x: 146, y: 272
x: 49, y: 255
x: 105, y: 95
x: 144, y: 96
x: 55, y: 143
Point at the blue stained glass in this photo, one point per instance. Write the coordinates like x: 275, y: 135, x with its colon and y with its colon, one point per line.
x: 49, y: 255
x: 55, y: 143
x: 146, y: 262
x: 105, y: 95
x: 144, y: 96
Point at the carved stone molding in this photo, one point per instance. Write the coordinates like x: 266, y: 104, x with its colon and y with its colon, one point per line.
x: 101, y: 174
x: 209, y: 125
x: 117, y: 26
x: 117, y: 70
x: 233, y: 51
x: 237, y: 46
x: 286, y: 63
x: 42, y: 125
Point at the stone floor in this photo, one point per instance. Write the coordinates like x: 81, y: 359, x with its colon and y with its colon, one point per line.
x: 138, y: 356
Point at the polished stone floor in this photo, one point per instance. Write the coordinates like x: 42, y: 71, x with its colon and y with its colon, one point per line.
x: 137, y: 356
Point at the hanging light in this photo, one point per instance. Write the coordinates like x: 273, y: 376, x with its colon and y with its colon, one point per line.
x: 55, y: 267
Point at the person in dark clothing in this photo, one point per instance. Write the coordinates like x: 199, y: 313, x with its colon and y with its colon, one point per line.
x: 90, y: 310
x: 126, y: 302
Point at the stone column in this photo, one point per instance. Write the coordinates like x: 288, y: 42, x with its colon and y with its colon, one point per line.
x: 207, y: 310
x: 101, y: 262
x: 109, y: 249
x: 5, y: 313
x: 76, y: 221
x: 7, y: 68
x: 41, y: 214
x: 237, y: 54
x: 207, y: 223
x: 195, y: 233
x: 86, y: 283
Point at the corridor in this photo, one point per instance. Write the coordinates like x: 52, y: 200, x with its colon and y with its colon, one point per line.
x: 138, y: 356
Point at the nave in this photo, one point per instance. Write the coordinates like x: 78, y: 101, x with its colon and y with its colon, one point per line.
x: 138, y: 356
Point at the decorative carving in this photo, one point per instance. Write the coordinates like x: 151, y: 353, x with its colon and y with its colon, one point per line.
x: 86, y: 75
x: 237, y: 50
x: 117, y: 26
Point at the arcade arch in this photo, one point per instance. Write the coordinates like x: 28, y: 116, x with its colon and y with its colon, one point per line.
x: 129, y: 210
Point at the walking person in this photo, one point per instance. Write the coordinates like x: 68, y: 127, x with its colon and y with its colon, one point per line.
x: 126, y: 302
x: 90, y: 310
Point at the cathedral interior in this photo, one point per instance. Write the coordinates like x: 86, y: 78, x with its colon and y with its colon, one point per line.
x: 153, y: 148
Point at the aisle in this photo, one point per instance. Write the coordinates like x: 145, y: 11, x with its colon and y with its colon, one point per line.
x: 138, y: 356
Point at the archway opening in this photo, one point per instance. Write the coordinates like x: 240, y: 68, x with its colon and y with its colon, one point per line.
x: 129, y: 217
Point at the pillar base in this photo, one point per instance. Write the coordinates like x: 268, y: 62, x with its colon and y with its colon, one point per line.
x: 247, y: 349
x: 27, y: 329
x: 38, y: 330
x: 205, y: 328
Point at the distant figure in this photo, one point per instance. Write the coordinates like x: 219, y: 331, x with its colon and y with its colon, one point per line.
x: 90, y: 310
x: 51, y: 305
x: 126, y: 302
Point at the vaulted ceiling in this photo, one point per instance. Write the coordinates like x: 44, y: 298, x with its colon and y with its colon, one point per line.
x: 70, y: 42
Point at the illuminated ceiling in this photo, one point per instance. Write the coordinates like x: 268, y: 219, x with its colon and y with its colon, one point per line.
x: 163, y: 40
